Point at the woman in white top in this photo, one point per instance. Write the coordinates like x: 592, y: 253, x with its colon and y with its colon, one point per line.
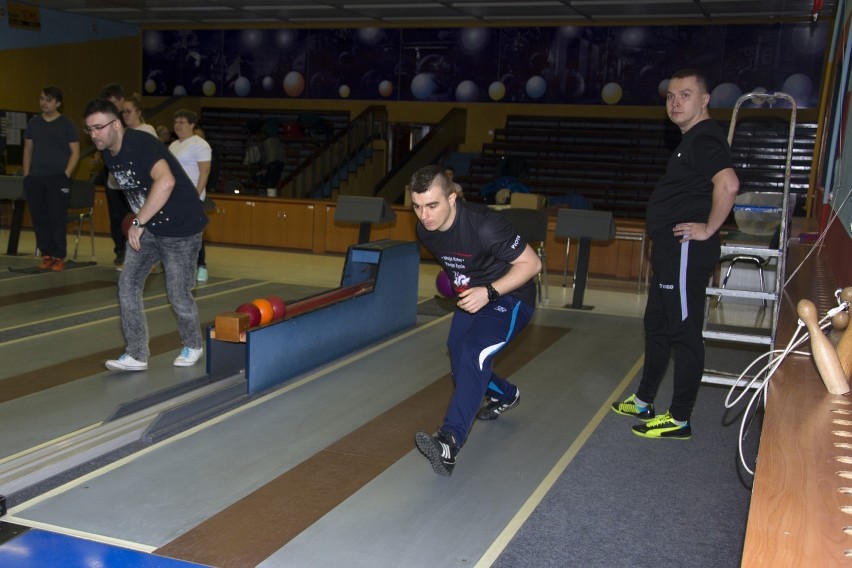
x: 194, y: 154
x: 131, y: 114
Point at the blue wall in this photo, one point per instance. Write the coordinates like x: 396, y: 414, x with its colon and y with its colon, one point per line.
x: 60, y: 27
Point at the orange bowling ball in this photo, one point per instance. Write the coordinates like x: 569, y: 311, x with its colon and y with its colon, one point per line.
x: 265, y: 307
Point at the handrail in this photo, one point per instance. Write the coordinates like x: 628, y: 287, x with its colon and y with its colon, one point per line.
x: 450, y: 131
x: 369, y: 125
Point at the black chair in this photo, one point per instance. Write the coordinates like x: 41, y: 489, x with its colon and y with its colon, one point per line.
x: 531, y: 224
x: 80, y: 209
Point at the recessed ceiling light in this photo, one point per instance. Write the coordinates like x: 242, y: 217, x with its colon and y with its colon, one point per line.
x: 285, y: 7
x: 507, y: 4
x: 191, y: 9
x: 404, y: 6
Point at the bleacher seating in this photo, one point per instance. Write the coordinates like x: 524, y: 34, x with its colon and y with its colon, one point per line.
x: 615, y: 163
x: 229, y: 132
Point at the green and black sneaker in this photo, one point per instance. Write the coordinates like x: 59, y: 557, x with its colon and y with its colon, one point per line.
x: 630, y: 408
x: 663, y: 426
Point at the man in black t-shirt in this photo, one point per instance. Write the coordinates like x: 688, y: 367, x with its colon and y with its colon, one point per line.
x: 167, y: 228
x: 685, y: 211
x: 491, y: 269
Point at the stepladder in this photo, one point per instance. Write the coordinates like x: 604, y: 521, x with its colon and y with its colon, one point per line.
x: 742, y: 305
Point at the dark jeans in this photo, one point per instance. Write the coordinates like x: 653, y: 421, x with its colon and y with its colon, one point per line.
x: 48, y: 198
x: 473, y: 341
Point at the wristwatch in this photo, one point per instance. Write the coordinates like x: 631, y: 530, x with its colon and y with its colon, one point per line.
x: 493, y: 295
x: 137, y: 223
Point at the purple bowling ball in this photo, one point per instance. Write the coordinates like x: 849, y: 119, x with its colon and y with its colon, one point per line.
x: 444, y: 286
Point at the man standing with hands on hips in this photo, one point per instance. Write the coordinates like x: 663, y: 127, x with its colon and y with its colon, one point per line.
x: 685, y: 210
x: 491, y: 269
x: 167, y: 227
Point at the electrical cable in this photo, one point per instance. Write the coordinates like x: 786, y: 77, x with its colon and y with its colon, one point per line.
x: 769, y: 369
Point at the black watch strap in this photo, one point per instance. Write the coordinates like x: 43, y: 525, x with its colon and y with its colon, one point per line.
x: 137, y: 223
x: 493, y: 295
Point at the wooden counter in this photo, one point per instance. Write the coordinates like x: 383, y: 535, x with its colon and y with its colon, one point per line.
x: 796, y: 518
x: 308, y: 225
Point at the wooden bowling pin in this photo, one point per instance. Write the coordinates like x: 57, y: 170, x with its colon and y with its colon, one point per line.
x: 826, y: 359
x: 844, y: 346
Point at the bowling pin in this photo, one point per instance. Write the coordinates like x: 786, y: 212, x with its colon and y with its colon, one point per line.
x: 826, y: 359
x: 844, y: 346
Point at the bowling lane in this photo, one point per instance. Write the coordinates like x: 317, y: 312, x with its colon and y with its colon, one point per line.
x: 405, y: 515
x: 54, y: 383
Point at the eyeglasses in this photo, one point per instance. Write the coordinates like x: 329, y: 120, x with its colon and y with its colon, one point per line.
x: 97, y: 128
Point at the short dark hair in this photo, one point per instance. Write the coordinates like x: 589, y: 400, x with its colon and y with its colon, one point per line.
x: 190, y: 116
x: 426, y: 177
x: 100, y: 105
x: 112, y: 90
x: 54, y: 93
x: 700, y: 78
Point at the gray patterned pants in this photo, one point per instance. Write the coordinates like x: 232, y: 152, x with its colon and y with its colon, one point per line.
x: 179, y: 256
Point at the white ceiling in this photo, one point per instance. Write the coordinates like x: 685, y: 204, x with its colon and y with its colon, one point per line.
x: 365, y: 12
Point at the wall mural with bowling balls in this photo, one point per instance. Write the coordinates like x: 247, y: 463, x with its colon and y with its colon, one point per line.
x: 615, y: 65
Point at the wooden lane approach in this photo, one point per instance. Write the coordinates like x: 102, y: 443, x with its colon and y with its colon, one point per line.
x: 376, y: 299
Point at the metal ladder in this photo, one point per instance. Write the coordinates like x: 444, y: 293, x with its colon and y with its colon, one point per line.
x: 761, y: 336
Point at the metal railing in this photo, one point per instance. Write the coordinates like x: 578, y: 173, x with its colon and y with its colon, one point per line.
x: 318, y: 170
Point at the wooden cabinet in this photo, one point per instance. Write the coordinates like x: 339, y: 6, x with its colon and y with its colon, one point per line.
x: 230, y: 222
x: 261, y: 222
x: 283, y: 224
x: 100, y: 212
x: 306, y: 225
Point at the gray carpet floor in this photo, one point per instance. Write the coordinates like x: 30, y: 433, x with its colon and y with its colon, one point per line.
x: 625, y: 501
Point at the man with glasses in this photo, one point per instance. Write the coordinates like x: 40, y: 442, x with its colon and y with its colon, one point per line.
x: 167, y: 227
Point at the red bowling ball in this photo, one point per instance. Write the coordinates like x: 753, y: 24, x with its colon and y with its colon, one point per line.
x: 279, y: 308
x: 253, y: 312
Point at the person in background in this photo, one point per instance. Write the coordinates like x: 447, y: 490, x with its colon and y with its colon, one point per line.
x: 195, y: 156
x: 164, y: 134
x: 116, y: 200
x: 450, y: 172
x: 167, y: 227
x: 50, y: 155
x: 131, y: 114
x: 687, y: 207
x: 492, y: 270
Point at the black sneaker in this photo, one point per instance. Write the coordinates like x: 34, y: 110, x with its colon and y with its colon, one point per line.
x: 495, y: 407
x: 664, y: 426
x: 440, y: 449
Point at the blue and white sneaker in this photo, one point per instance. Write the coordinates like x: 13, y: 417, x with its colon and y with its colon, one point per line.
x: 126, y: 363
x: 188, y: 357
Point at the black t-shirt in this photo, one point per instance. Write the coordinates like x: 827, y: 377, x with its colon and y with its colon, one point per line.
x: 182, y: 215
x: 477, y: 249
x: 51, y: 144
x: 685, y: 192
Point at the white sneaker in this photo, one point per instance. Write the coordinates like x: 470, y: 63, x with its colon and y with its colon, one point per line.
x: 126, y: 363
x: 188, y: 357
x: 201, y: 275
